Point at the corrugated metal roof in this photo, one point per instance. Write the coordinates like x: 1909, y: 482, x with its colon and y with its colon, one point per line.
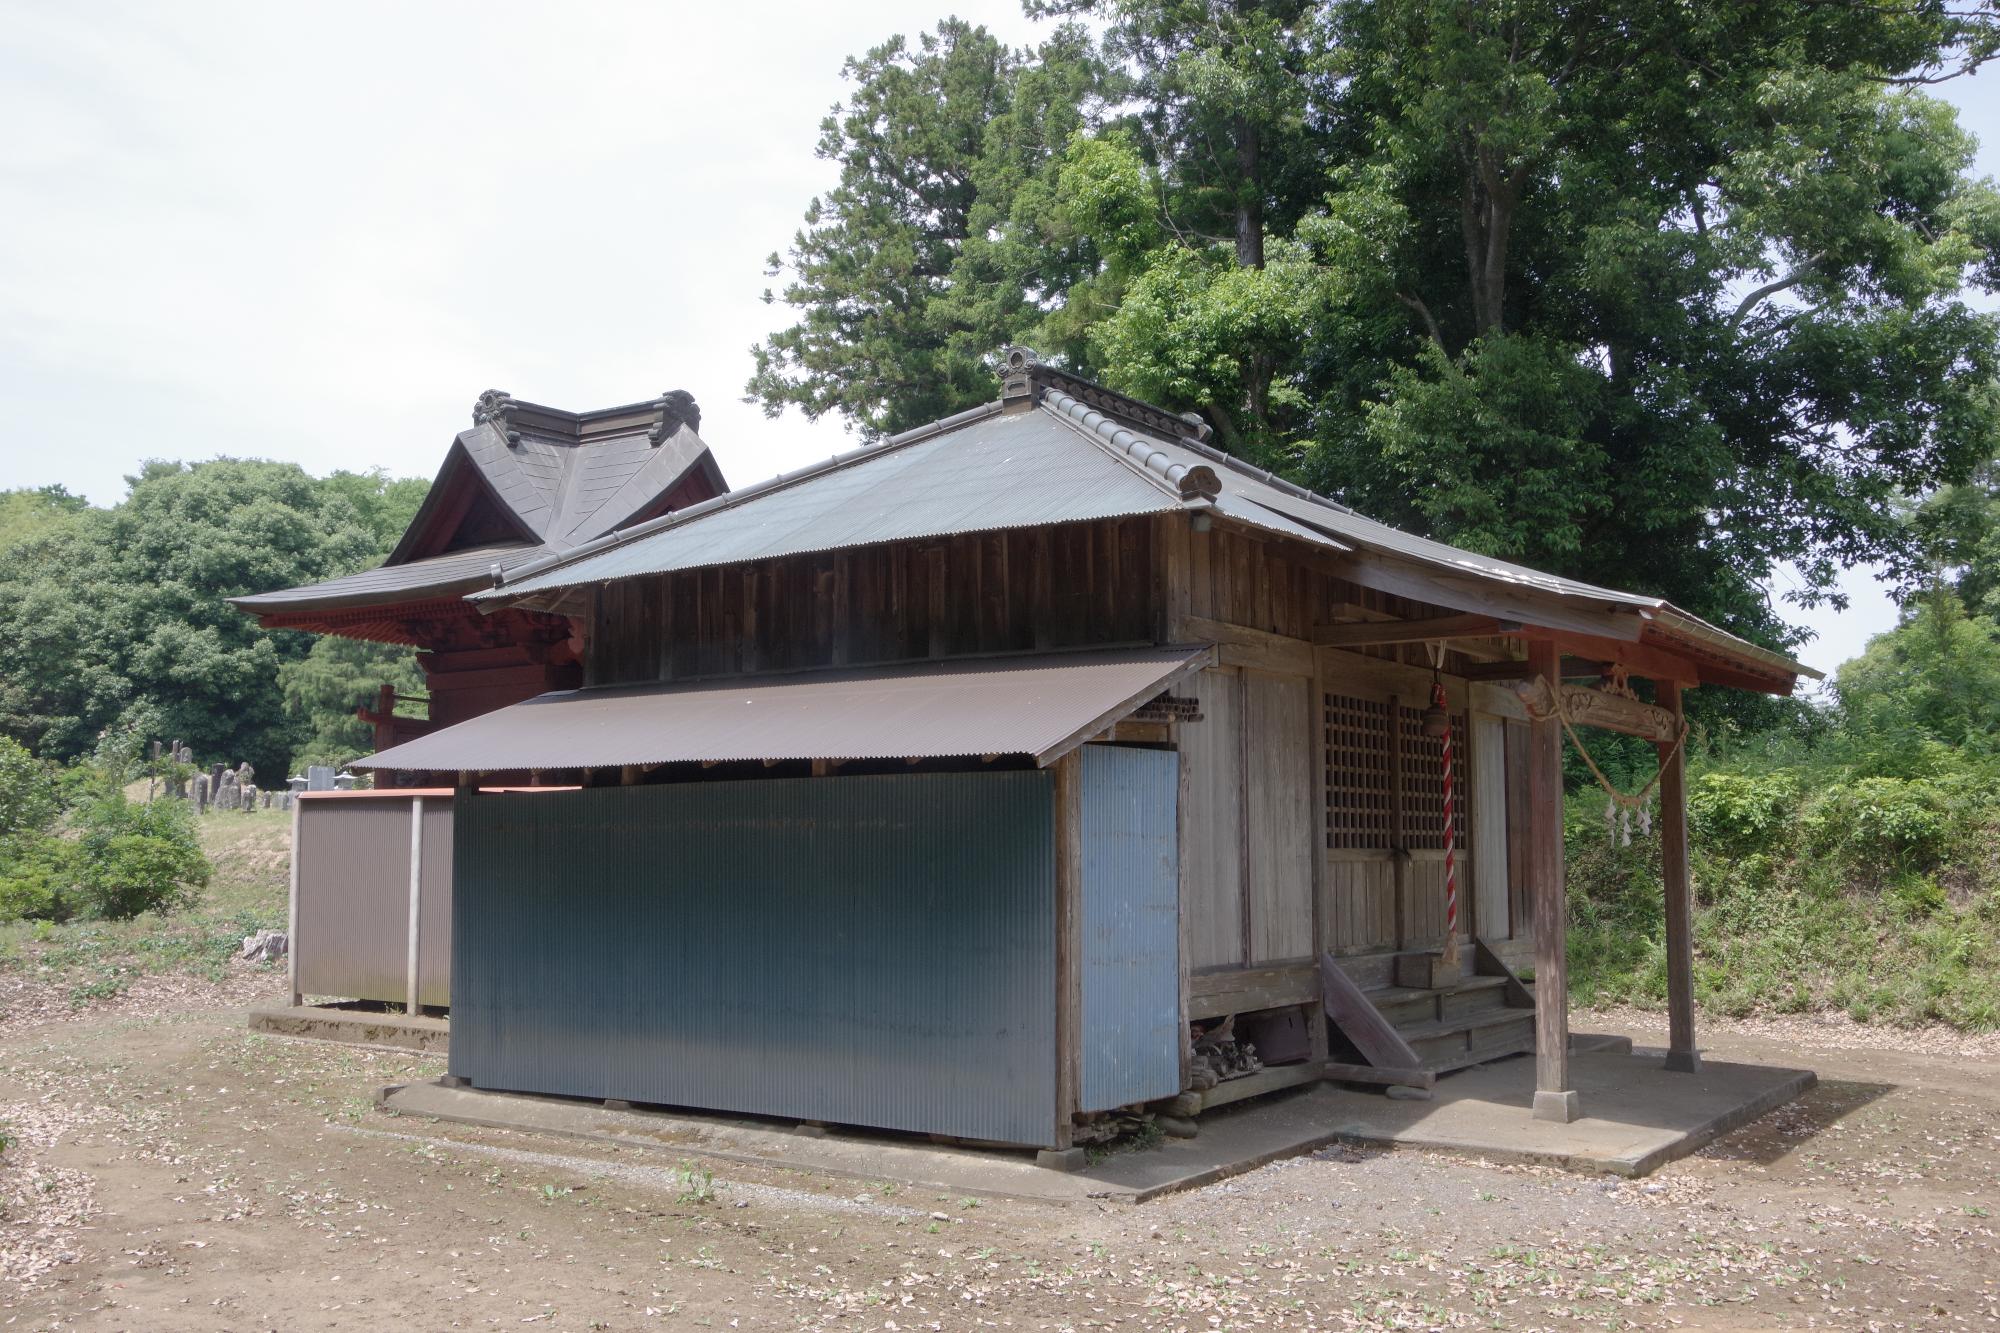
x: 454, y: 573
x: 1002, y: 471
x: 1042, y: 706
x: 1067, y: 460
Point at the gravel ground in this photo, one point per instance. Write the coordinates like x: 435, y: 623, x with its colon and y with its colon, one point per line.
x: 172, y: 1170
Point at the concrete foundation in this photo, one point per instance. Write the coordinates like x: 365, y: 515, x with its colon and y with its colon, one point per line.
x: 359, y: 1025
x: 1635, y: 1117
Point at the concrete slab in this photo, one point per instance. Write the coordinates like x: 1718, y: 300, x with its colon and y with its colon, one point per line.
x: 1635, y: 1118
x: 362, y: 1027
x: 819, y: 1148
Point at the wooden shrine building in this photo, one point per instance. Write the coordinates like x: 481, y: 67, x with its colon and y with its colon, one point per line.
x: 1033, y: 764
x: 526, y: 482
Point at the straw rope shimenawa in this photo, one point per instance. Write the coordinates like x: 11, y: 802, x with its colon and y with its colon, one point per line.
x: 1632, y: 802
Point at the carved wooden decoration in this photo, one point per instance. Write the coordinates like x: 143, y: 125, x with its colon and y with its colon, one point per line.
x: 1586, y: 707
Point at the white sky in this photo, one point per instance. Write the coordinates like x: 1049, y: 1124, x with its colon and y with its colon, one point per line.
x: 317, y: 232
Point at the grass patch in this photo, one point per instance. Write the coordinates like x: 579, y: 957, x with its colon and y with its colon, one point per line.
x: 92, y: 961
x: 1833, y: 898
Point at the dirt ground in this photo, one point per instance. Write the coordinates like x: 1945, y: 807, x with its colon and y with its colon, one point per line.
x: 171, y: 1170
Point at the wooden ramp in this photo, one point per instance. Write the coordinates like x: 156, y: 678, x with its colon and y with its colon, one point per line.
x: 1411, y: 1034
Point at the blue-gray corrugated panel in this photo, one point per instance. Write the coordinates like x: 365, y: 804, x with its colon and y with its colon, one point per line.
x: 1131, y: 927
x: 876, y: 951
x: 1005, y: 471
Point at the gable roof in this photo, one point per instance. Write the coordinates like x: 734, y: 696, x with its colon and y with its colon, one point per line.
x: 542, y: 479
x: 1057, y: 449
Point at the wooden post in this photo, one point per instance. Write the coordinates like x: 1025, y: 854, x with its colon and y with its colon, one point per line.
x: 1682, y: 1057
x: 414, y: 1003
x: 1554, y: 1098
x: 292, y: 909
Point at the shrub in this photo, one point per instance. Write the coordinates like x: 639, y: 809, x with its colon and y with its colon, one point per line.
x: 1741, y: 814
x: 130, y: 873
x: 1879, y: 825
x: 27, y: 791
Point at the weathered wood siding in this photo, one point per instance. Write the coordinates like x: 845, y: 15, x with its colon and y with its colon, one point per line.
x: 1062, y: 587
x: 1212, y: 846
x: 1278, y: 757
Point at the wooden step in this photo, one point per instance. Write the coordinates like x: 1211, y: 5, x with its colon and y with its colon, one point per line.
x: 1403, y: 1005
x: 1497, y: 1051
x: 1448, y: 1039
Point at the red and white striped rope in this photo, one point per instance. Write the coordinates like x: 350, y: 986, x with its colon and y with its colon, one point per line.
x: 1450, y: 823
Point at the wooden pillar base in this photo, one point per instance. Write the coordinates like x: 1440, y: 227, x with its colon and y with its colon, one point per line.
x: 1561, y: 1107
x: 1683, y: 1062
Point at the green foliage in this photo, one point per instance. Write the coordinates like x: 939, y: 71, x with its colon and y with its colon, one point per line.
x: 1742, y: 814
x: 323, y: 688
x: 105, y: 858
x: 1660, y: 295
x: 942, y: 240
x: 28, y: 799
x: 117, y: 619
x: 1930, y: 685
x: 26, y: 514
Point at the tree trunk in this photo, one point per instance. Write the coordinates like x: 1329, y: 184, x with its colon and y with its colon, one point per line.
x: 1249, y: 195
x: 1486, y: 219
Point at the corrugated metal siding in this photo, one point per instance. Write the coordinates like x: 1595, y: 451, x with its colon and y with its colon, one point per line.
x: 354, y: 898
x: 1131, y: 927
x: 876, y: 951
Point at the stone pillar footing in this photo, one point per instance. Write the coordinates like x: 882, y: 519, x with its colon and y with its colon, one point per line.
x: 1062, y: 1159
x: 1561, y: 1107
x: 1683, y: 1062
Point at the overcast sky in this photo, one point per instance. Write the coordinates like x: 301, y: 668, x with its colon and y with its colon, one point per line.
x: 317, y: 232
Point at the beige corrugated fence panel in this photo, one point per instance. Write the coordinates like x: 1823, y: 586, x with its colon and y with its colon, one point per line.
x: 1212, y: 855
x: 1278, y: 770
x: 1041, y: 706
x: 354, y: 905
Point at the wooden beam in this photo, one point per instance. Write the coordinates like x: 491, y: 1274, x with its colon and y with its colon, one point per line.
x: 1682, y: 1056
x: 1428, y: 630
x: 1493, y: 597
x: 1640, y: 659
x: 1356, y: 1016
x: 1241, y: 646
x: 1246, y: 990
x: 1554, y: 1098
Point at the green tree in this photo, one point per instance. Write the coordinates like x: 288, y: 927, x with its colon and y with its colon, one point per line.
x: 942, y: 240
x: 1930, y: 686
x: 323, y: 688
x: 30, y: 512
x: 1659, y: 294
x: 385, y: 504
x: 121, y: 613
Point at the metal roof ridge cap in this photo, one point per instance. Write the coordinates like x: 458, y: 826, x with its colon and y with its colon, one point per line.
x: 1276, y: 482
x: 729, y: 499
x: 1179, y: 480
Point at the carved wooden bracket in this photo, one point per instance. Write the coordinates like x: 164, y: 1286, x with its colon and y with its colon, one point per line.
x: 1587, y: 707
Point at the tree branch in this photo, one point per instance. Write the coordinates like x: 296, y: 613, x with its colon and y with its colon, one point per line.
x: 1772, y: 288
x: 1416, y: 303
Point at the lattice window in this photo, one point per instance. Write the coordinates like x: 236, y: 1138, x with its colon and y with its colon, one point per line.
x: 1423, y: 781
x: 1357, y: 773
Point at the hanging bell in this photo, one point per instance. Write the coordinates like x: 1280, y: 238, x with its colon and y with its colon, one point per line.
x: 1436, y: 722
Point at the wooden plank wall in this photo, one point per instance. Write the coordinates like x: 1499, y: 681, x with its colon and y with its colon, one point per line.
x: 1212, y: 840
x: 1279, y: 755
x: 1061, y: 587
